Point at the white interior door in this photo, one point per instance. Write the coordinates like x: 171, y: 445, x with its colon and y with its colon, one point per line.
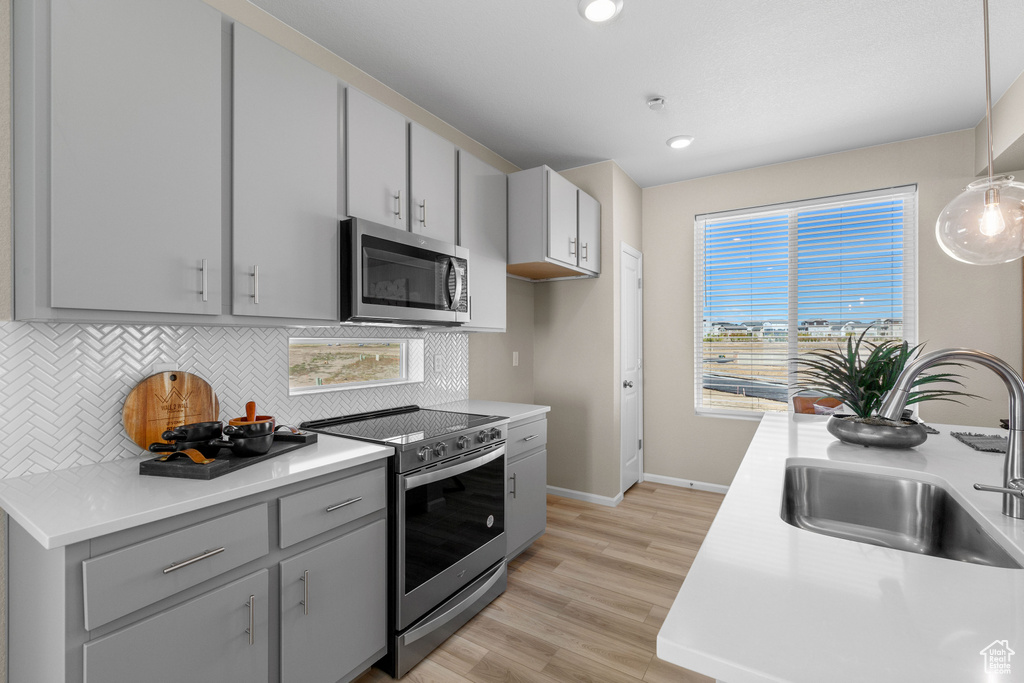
x: 631, y: 363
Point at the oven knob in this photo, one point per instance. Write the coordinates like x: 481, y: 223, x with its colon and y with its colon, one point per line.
x: 462, y: 442
x: 423, y: 453
x: 495, y: 433
x: 440, y: 450
x: 482, y: 436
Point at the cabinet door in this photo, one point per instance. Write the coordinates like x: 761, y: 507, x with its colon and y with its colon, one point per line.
x: 562, y: 238
x: 483, y: 229
x: 285, y: 222
x: 377, y: 161
x: 205, y: 639
x: 136, y: 155
x: 333, y: 606
x: 589, y: 230
x: 431, y: 184
x: 527, y: 499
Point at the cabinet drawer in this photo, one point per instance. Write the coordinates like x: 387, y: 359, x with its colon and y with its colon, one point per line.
x: 128, y: 579
x: 527, y: 437
x: 306, y: 514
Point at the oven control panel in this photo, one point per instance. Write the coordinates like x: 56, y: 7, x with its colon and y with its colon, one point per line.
x: 456, y: 444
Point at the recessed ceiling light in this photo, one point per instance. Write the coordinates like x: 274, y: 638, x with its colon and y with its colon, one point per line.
x: 656, y: 103
x: 680, y: 141
x: 599, y: 10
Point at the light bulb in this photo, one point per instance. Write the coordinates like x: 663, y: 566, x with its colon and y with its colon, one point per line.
x: 992, y: 222
x: 599, y: 10
x: 984, y: 225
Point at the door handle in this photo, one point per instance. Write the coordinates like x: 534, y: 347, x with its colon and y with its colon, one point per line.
x: 628, y: 384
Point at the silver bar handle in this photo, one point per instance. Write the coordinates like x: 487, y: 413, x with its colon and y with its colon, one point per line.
x: 585, y: 251
x: 409, y: 483
x: 338, y: 506
x: 531, y: 437
x: 513, y: 478
x: 255, y: 284
x: 206, y: 296
x: 305, y: 592
x: 572, y: 246
x: 398, y: 205
x: 423, y: 215
x: 252, y: 620
x: 178, y: 565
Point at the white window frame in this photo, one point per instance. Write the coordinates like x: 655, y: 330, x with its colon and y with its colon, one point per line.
x: 411, y: 363
x: 910, y: 279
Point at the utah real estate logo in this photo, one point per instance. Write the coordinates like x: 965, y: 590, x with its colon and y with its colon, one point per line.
x: 997, y: 657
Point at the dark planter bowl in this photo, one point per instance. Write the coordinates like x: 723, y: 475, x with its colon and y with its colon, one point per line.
x: 880, y: 434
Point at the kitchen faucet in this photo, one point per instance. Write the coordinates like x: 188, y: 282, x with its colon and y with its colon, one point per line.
x: 1013, y: 468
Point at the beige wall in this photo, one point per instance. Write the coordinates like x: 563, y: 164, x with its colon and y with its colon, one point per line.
x: 491, y: 375
x: 960, y: 305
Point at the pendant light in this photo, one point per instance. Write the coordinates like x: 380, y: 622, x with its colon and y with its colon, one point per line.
x: 984, y: 225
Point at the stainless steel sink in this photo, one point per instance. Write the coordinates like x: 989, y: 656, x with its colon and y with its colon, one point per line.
x: 891, y: 512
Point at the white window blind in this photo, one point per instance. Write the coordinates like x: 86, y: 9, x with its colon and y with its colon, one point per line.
x: 773, y: 282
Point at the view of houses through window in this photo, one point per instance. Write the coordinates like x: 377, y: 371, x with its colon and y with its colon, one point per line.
x: 775, y: 282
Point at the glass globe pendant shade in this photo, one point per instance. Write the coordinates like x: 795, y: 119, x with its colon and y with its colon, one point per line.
x: 984, y: 225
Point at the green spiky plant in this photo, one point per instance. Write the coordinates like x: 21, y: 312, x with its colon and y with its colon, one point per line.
x: 861, y: 374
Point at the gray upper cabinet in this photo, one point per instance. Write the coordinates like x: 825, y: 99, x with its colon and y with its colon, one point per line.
x: 483, y: 229
x: 431, y: 184
x: 377, y: 161
x: 135, y: 160
x: 285, y: 251
x: 333, y: 600
x: 563, y: 244
x: 543, y: 226
x: 589, y: 231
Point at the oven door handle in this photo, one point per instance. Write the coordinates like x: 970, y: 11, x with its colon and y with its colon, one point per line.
x: 440, y: 620
x: 416, y: 480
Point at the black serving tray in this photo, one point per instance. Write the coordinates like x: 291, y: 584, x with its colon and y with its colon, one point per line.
x: 183, y: 468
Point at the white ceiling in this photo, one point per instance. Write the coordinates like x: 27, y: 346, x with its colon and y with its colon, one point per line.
x: 755, y: 81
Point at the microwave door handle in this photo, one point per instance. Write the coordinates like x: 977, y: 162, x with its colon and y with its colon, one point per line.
x: 417, y: 480
x: 445, y: 291
x: 458, y: 284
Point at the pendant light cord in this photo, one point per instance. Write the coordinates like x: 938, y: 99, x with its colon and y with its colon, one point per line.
x: 988, y: 95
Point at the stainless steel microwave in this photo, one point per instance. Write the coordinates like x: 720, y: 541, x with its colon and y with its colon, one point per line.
x: 394, y: 276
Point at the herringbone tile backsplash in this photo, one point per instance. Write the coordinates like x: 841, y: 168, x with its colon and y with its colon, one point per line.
x: 62, y: 386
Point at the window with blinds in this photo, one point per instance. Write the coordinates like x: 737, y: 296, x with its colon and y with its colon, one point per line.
x: 776, y: 281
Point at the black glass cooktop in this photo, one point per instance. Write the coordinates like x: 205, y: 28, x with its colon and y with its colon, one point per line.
x: 400, y: 426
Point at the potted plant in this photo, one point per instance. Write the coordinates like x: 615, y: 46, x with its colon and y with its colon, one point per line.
x: 860, y: 375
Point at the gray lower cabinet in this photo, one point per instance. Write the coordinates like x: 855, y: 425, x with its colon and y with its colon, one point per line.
x: 332, y: 598
x: 211, y: 595
x: 483, y: 229
x: 285, y: 177
x: 526, y: 493
x: 220, y: 636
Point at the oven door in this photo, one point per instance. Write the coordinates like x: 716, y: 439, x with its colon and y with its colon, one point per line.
x: 450, y: 528
x: 403, y: 277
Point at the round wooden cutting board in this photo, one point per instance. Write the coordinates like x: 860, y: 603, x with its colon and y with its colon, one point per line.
x: 164, y: 401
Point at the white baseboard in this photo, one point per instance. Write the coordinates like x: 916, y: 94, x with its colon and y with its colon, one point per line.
x: 684, y: 483
x: 586, y: 497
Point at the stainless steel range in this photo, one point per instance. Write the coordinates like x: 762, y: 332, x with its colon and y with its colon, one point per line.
x: 446, y: 519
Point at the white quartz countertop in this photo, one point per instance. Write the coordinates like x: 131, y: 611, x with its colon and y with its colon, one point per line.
x: 765, y: 601
x: 64, y: 507
x: 513, y: 411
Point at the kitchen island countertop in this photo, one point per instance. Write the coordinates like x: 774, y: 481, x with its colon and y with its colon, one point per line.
x: 76, y: 504
x: 765, y: 601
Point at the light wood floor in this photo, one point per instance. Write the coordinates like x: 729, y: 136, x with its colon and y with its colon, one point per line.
x: 585, y: 602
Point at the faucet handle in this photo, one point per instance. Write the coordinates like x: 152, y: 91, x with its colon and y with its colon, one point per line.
x: 1016, y: 488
